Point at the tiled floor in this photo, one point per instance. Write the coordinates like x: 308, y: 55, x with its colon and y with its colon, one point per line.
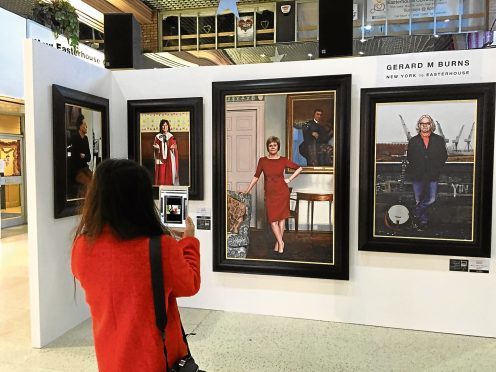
x: 238, y: 342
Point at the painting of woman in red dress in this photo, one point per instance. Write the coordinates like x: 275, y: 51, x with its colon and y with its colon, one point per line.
x: 276, y: 188
x: 166, y: 156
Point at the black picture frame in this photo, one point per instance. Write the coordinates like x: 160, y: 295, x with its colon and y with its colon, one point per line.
x: 66, y: 202
x: 338, y: 266
x: 193, y: 106
x: 458, y: 221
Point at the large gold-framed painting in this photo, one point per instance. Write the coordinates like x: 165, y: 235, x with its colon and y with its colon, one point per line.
x: 281, y: 176
x: 426, y: 169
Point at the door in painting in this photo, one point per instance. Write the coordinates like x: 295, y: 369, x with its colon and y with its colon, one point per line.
x: 241, y: 150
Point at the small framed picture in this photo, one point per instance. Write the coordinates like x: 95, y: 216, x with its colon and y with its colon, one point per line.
x: 166, y: 137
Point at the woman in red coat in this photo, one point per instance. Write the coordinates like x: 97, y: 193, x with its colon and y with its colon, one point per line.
x: 276, y: 188
x: 166, y: 156
x: 110, y: 258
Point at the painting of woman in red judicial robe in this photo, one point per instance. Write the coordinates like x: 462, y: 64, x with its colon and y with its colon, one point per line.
x: 166, y: 156
x: 166, y: 137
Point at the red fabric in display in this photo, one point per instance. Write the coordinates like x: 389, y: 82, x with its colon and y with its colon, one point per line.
x: 276, y: 189
x: 116, y: 278
x: 163, y: 171
x: 425, y: 138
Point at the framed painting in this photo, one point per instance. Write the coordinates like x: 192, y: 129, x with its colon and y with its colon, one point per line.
x: 310, y: 131
x: 80, y: 143
x: 426, y: 169
x: 166, y: 137
x: 274, y: 213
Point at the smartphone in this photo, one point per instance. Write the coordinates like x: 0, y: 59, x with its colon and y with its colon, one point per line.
x: 173, y: 205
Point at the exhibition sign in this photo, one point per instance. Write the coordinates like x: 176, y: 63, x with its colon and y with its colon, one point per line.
x: 426, y: 169
x: 428, y: 68
x: 44, y: 35
x: 166, y: 137
x: 309, y: 119
x: 403, y: 9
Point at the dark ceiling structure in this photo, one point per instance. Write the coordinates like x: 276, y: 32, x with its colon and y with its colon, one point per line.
x: 163, y: 5
x: 24, y: 8
x: 293, y: 51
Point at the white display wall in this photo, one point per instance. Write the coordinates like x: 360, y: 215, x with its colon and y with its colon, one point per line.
x: 54, y: 309
x: 385, y: 289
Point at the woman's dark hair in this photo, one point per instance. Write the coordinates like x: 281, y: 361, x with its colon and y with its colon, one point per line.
x: 79, y: 121
x: 274, y: 139
x: 120, y: 195
x: 162, y: 123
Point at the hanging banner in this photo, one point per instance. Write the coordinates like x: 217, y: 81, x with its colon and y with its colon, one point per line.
x: 400, y: 9
x: 245, y: 28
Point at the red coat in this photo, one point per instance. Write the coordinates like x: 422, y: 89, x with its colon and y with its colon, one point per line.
x: 115, y: 275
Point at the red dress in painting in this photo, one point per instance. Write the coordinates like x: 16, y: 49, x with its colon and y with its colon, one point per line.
x: 166, y: 160
x: 276, y: 189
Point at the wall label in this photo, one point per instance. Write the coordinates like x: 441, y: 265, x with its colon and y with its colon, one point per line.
x: 477, y: 265
x: 426, y: 69
x: 458, y: 265
x: 204, y: 219
x: 480, y: 265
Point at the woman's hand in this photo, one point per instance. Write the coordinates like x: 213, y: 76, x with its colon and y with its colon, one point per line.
x: 190, y: 228
x: 184, y: 232
x: 287, y: 180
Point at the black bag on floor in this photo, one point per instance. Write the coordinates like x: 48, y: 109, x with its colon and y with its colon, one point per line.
x: 186, y: 363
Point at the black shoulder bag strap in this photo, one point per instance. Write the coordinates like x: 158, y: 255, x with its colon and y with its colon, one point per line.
x: 159, y: 291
